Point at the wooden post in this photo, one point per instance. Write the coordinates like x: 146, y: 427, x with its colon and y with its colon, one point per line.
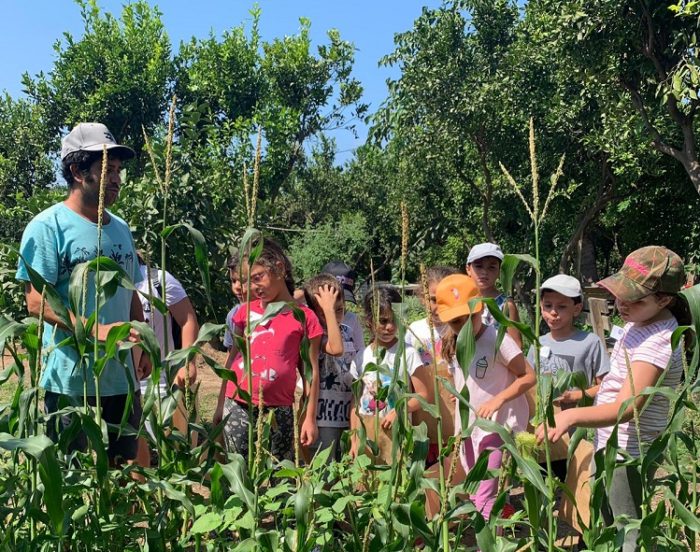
x: 598, y: 316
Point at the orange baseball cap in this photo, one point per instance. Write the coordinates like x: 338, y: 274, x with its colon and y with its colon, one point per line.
x: 453, y: 295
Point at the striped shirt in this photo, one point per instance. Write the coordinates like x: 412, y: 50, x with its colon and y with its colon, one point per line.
x: 652, y: 344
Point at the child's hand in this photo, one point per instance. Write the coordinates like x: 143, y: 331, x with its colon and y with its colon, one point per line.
x: 143, y: 370
x: 571, y: 396
x: 389, y: 420
x: 308, y: 433
x: 354, y: 446
x: 562, y: 422
x: 489, y: 408
x: 326, y: 297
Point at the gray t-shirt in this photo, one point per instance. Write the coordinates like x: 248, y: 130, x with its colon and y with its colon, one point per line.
x: 580, y: 352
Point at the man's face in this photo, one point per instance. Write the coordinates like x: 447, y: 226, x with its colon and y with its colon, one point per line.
x: 89, y: 184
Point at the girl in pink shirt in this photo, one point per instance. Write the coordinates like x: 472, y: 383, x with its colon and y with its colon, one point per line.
x: 646, y: 294
x: 497, y: 379
x: 275, y: 360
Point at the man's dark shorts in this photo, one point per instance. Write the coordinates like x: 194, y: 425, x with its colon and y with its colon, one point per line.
x: 124, y: 446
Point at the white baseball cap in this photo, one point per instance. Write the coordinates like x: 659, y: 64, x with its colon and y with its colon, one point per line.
x: 92, y: 137
x: 564, y: 284
x: 482, y: 250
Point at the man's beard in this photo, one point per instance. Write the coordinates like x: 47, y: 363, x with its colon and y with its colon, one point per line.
x: 91, y: 193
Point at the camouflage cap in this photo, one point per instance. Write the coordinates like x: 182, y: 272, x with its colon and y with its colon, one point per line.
x: 647, y: 270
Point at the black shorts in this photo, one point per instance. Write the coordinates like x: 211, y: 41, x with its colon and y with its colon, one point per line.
x: 120, y: 446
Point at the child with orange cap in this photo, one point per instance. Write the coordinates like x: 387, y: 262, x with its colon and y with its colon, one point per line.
x: 646, y: 291
x: 497, y: 379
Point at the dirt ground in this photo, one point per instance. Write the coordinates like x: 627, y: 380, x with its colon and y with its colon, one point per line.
x: 209, y: 383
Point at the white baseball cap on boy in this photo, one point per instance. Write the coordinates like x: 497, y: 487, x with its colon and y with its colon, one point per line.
x: 93, y: 137
x: 564, y: 284
x: 482, y: 250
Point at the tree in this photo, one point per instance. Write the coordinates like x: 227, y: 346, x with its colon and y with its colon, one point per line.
x: 25, y: 148
x: 648, y: 56
x: 282, y: 86
x: 446, y: 102
x: 117, y: 73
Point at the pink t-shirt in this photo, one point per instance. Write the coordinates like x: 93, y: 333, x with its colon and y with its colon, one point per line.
x: 274, y: 353
x: 652, y: 344
x: 488, y: 376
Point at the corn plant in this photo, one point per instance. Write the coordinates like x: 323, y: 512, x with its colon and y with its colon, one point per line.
x: 199, y: 497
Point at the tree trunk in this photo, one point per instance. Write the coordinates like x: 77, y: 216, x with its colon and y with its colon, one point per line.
x: 604, y: 195
x: 587, y: 268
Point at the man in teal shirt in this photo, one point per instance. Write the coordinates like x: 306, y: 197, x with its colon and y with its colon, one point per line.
x: 53, y: 243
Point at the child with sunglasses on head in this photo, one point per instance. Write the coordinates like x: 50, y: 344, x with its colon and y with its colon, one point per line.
x: 646, y: 291
x: 384, y: 352
x: 497, y: 379
x: 275, y: 359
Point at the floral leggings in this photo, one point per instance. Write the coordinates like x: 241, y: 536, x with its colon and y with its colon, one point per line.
x: 281, y: 429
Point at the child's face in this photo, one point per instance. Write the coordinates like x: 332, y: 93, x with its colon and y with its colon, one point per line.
x: 432, y: 289
x: 266, y: 284
x: 644, y: 310
x: 236, y: 285
x: 456, y: 324
x: 385, y: 329
x: 339, y: 309
x: 485, y: 272
x: 559, y: 311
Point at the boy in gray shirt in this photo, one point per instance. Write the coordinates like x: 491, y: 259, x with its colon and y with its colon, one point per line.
x: 566, y: 348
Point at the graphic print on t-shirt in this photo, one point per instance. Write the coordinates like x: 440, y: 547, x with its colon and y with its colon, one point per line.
x: 557, y: 362
x: 335, y: 391
x: 263, y: 338
x: 124, y: 257
x: 481, y: 366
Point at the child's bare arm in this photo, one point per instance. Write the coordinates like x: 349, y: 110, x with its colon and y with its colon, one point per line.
x: 644, y: 375
x: 515, y: 316
x: 309, y: 430
x: 524, y: 380
x: 420, y: 388
x: 219, y: 412
x: 354, y: 426
x: 326, y: 296
x: 572, y: 396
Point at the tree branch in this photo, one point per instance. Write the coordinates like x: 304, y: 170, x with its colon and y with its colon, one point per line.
x: 657, y: 141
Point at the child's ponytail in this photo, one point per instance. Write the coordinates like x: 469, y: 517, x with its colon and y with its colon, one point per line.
x: 449, y: 345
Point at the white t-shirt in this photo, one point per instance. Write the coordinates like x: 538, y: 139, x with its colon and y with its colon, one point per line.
x: 488, y: 375
x: 369, y: 403
x: 230, y: 327
x: 418, y: 337
x: 652, y: 344
x: 358, y: 337
x: 174, y: 293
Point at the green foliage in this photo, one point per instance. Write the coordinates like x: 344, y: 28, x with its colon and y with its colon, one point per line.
x: 25, y: 146
x: 116, y: 73
x: 313, y: 247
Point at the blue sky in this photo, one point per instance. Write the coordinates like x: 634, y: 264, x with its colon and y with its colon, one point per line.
x: 29, y: 28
